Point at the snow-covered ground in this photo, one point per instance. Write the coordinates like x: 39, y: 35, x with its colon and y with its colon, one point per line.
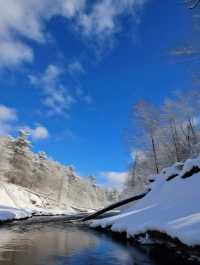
x: 171, y: 207
x: 17, y: 203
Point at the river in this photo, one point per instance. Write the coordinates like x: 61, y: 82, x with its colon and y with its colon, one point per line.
x: 59, y: 243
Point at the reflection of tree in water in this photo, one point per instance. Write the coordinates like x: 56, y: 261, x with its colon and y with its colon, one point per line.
x: 37, y: 244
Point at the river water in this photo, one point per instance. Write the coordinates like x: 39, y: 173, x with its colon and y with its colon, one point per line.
x: 59, y: 243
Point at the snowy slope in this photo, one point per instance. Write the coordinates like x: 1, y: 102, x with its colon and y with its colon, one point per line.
x: 172, y: 206
x: 17, y: 203
x: 38, y: 173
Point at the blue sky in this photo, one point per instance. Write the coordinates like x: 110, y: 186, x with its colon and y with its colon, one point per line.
x: 70, y: 71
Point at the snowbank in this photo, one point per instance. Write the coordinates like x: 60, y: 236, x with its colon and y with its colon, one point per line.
x: 18, y: 203
x: 9, y: 213
x: 171, y: 207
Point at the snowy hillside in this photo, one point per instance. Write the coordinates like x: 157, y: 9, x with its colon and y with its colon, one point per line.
x: 171, y: 207
x: 17, y: 202
x: 42, y: 182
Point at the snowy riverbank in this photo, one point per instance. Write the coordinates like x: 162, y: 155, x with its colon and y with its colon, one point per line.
x: 171, y: 207
x: 17, y: 203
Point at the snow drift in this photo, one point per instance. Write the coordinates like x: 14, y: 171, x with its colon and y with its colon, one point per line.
x: 171, y: 207
x: 18, y: 203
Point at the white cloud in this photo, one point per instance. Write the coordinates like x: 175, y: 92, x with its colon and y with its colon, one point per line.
x: 7, y: 114
x: 56, y: 97
x: 28, y: 18
x: 115, y: 179
x: 38, y: 133
x: 13, y: 53
x: 103, y: 19
x: 87, y: 99
x: 7, y: 118
x: 76, y: 68
x: 48, y: 78
x: 84, y: 97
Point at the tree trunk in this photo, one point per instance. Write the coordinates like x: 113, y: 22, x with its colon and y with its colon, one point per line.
x: 174, y: 137
x: 114, y: 206
x: 155, y: 155
x: 192, y: 131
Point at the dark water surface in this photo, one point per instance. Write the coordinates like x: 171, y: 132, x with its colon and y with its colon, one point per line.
x: 60, y: 243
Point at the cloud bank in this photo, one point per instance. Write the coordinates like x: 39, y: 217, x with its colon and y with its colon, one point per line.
x: 115, y: 179
x: 22, y: 20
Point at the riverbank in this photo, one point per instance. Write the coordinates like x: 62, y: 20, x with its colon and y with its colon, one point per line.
x: 18, y: 203
x: 56, y: 235
x: 168, y: 215
x: 158, y: 246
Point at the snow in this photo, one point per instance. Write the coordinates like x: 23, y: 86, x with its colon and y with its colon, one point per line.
x: 10, y: 213
x: 59, y: 183
x: 32, y: 183
x: 18, y: 203
x: 171, y: 207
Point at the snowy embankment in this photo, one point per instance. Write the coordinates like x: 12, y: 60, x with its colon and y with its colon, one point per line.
x: 171, y: 207
x: 18, y: 203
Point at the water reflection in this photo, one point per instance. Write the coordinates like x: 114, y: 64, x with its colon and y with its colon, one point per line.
x: 59, y: 244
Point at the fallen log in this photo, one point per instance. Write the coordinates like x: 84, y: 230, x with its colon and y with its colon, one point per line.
x: 114, y: 205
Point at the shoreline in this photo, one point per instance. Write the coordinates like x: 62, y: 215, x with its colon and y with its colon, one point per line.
x: 154, y: 243
x: 158, y: 244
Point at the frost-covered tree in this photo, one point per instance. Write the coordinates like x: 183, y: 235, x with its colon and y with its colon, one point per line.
x: 42, y: 155
x: 19, y: 160
x: 163, y: 135
x: 21, y: 142
x: 181, y: 118
x: 192, y: 4
x: 92, y: 179
x: 139, y: 169
x: 171, y: 121
x: 71, y: 172
x: 188, y: 107
x: 57, y: 185
x: 147, y: 118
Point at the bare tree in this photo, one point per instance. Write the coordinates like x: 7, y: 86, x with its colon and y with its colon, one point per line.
x: 170, y: 120
x: 169, y: 134
x: 192, y: 3
x: 148, y: 118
